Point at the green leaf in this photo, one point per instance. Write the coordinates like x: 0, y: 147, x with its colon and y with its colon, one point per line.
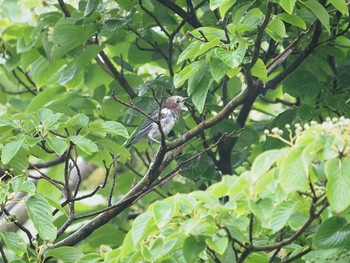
x: 196, y: 78
x: 263, y: 163
x: 40, y: 213
x: 287, y: 5
x: 223, y: 6
x: 47, y: 117
x: 44, y: 97
x: 84, y: 144
x: 113, y: 24
x: 90, y: 258
x: 78, y: 121
x: 338, y: 186
x: 190, y: 51
x: 293, y: 176
x: 65, y: 254
x: 142, y: 226
x: 218, y: 190
x: 181, y: 77
x: 162, y: 211
x: 14, y: 242
x: 276, y: 29
x: 192, y: 248
x: 319, y: 11
x: 44, y: 71
x: 204, y: 47
x: 10, y: 150
x: 226, y: 5
x: 218, y: 244
x: 281, y: 215
x: 301, y: 83
x: 259, y: 70
x: 67, y: 35
x: 334, y: 232
x: 341, y: 6
x: 67, y: 75
x: 59, y: 145
x: 258, y: 257
x: 110, y: 127
x: 199, y: 95
x: 217, y: 68
x: 293, y: 20
x: 231, y: 58
x: 214, y: 4
x: 91, y: 6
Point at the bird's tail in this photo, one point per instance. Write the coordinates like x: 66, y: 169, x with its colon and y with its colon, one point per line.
x: 138, y: 137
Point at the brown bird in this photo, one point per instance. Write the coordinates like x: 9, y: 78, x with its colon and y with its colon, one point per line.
x: 168, y: 115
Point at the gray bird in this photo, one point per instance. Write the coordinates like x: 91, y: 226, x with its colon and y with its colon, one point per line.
x: 169, y: 115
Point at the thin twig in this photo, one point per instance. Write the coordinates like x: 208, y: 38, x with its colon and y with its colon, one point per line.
x: 20, y: 226
x: 2, y: 252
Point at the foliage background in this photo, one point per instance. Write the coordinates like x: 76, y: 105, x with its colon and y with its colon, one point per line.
x: 74, y: 79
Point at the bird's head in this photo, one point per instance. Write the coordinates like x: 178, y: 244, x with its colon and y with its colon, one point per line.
x: 175, y: 102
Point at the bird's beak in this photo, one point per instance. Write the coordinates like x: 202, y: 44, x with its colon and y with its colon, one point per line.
x: 186, y: 98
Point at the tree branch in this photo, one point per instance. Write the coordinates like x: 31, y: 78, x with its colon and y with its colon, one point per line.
x: 151, y: 175
x: 272, y: 84
x: 109, y: 67
x: 190, y: 18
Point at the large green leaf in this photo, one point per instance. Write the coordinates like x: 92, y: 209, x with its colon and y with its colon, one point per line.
x: 281, y: 215
x: 10, y: 150
x: 259, y: 70
x: 45, y: 71
x: 217, y: 244
x: 301, y: 83
x: 110, y: 127
x: 91, y: 6
x: 199, y: 95
x: 287, y: 5
x: 84, y: 144
x: 162, y: 212
x: 192, y: 248
x: 341, y: 5
x: 40, y: 213
x: 189, y: 51
x: 276, y: 29
x: 65, y: 254
x: 142, y: 227
x: 68, y: 35
x: 181, y: 77
x: 293, y: 176
x: 59, y: 145
x: 232, y: 58
x: 223, y: 5
x: 338, y: 186
x: 292, y: 19
x: 45, y: 97
x: 319, y: 11
x: 14, y: 242
x: 263, y: 163
x: 217, y: 68
x: 332, y: 233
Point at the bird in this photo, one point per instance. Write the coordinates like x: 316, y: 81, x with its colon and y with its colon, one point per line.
x: 169, y: 112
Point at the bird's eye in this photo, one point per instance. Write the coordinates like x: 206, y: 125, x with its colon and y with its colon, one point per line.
x: 178, y: 101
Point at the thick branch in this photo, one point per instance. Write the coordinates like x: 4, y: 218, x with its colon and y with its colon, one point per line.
x: 205, y: 124
x: 188, y: 17
x: 151, y: 175
x: 272, y: 84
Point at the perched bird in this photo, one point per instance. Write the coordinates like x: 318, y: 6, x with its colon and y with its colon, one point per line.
x: 169, y: 115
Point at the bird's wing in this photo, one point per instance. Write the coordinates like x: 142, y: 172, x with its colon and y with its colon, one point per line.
x: 154, y: 116
x: 145, y: 127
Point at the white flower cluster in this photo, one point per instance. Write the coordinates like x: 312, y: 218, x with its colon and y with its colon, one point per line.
x: 327, y: 126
